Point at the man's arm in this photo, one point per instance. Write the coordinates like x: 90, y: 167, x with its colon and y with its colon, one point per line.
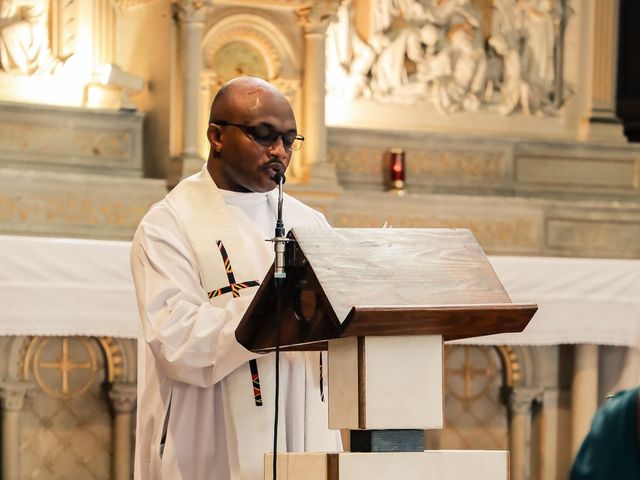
x: 192, y: 341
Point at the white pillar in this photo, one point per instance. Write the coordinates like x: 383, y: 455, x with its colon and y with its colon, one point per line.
x: 191, y: 20
x: 520, y: 403
x: 12, y: 395
x: 123, y: 400
x: 584, y: 393
x: 314, y: 20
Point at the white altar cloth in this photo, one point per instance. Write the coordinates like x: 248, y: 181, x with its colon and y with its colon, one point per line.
x: 65, y: 286
x: 61, y: 286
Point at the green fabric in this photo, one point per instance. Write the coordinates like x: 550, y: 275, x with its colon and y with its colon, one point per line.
x: 611, y: 449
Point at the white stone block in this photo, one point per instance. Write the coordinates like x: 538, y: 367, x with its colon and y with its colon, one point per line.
x: 381, y: 383
x: 428, y: 465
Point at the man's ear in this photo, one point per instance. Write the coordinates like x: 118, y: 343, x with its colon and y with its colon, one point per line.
x: 214, y: 135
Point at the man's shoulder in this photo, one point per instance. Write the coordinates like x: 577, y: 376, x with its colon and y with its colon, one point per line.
x: 158, y: 213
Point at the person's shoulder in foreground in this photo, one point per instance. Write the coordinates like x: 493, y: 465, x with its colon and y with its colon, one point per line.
x: 611, y: 449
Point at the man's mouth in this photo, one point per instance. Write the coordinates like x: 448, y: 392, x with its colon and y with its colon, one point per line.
x: 275, y: 167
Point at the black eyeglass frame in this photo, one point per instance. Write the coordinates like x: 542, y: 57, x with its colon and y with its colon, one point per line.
x: 250, y: 131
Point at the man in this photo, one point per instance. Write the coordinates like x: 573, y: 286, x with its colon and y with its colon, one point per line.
x: 206, y: 404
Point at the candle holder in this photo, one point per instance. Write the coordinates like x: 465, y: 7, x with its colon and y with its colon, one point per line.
x: 397, y: 170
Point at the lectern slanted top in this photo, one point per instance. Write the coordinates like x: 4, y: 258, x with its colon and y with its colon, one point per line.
x: 367, y: 282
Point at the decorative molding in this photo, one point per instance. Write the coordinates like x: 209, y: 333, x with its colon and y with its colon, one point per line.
x: 511, y: 362
x: 114, y: 358
x: 123, y: 397
x: 315, y: 17
x: 12, y: 394
x: 521, y: 399
x: 125, y: 4
x: 190, y: 11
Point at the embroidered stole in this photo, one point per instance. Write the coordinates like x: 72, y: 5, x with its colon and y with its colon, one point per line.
x: 218, y: 245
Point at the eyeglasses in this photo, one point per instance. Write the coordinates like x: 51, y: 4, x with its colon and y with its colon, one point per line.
x: 267, y: 136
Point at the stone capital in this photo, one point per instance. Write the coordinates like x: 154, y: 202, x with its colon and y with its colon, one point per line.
x: 123, y: 397
x: 191, y: 11
x: 315, y: 16
x: 521, y: 399
x: 12, y: 395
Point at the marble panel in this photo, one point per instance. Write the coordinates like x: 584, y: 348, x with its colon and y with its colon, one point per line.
x: 71, y: 139
x: 491, y: 165
x: 72, y: 204
x: 594, y: 238
x: 508, y: 227
x: 578, y: 173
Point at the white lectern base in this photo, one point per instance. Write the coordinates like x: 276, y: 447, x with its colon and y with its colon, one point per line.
x: 427, y: 465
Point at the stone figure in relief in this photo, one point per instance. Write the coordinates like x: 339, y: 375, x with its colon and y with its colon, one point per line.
x: 349, y: 58
x: 537, y: 23
x: 514, y: 90
x: 463, y: 89
x: 398, y: 44
x: 24, y: 37
x: 437, y: 52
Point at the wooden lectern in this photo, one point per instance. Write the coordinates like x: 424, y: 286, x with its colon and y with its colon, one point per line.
x: 382, y: 301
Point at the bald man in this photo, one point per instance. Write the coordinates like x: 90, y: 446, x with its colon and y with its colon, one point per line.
x: 205, y: 403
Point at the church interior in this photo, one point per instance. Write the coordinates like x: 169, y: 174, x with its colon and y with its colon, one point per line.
x: 515, y: 119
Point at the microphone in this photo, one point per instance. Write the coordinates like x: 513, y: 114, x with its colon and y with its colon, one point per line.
x: 279, y: 240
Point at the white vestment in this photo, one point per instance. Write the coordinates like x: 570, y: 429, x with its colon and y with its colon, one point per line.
x: 198, y: 416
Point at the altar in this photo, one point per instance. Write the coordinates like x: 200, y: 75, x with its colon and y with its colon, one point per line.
x: 64, y: 297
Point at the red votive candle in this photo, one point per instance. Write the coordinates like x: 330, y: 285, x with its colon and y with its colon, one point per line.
x: 397, y: 166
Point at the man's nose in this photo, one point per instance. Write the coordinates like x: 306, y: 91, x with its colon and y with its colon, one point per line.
x: 278, y: 149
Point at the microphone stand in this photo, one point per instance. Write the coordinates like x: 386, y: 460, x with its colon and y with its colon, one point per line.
x: 279, y: 275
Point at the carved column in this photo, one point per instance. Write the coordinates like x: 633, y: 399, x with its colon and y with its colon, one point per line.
x: 123, y: 400
x: 314, y: 19
x: 584, y: 393
x: 601, y: 122
x: 190, y: 15
x: 12, y: 395
x: 520, y: 403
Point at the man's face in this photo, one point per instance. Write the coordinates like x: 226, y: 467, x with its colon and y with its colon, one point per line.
x: 244, y: 163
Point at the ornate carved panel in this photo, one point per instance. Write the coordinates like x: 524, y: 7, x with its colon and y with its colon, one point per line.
x: 475, y: 416
x: 502, y: 56
x: 65, y: 422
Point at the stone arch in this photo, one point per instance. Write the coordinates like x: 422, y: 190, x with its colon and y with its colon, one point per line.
x: 511, y: 363
x: 258, y: 32
x: 252, y: 44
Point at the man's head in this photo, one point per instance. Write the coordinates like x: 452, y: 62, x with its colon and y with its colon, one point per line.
x: 251, y: 131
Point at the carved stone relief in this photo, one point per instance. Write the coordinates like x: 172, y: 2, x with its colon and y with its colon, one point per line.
x: 455, y: 55
x: 27, y: 45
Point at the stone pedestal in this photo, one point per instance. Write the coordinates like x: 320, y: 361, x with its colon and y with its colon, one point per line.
x: 387, y: 389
